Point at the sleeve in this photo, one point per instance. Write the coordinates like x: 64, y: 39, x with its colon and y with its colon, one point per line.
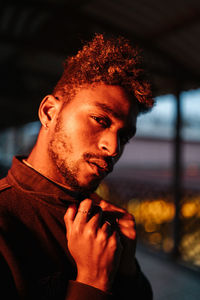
x: 133, y: 288
x: 80, y: 291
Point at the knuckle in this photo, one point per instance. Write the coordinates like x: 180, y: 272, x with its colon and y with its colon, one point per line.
x: 66, y: 218
x: 129, y: 216
x: 113, y: 242
x: 86, y: 202
x: 102, y: 235
x: 66, y: 215
x: 103, y: 204
x: 89, y: 232
x: 76, y: 230
x: 131, y: 223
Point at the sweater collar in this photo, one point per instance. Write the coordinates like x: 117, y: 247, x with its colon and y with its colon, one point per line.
x: 31, y: 181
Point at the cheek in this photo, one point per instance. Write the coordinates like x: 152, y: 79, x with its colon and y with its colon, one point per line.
x: 87, y: 138
x: 84, y: 132
x: 81, y: 131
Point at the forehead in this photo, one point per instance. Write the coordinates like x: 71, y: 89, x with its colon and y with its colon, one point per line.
x: 112, y: 100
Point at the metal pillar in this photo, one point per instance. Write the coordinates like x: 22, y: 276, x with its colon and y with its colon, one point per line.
x: 177, y: 177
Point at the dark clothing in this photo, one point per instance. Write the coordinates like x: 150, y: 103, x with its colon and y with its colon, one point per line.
x: 35, y: 262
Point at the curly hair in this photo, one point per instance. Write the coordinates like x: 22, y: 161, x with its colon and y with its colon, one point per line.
x: 111, y: 61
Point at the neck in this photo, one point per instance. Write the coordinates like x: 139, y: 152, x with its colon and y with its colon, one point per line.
x: 40, y: 161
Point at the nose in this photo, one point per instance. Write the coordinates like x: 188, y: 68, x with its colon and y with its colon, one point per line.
x: 109, y: 144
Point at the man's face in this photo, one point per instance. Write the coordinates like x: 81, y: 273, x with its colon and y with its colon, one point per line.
x: 89, y: 135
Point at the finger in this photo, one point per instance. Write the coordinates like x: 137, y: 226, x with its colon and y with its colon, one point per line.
x: 129, y: 233
x: 106, y: 227
x: 127, y: 228
x: 83, y: 212
x: 94, y: 223
x: 128, y: 216
x: 70, y: 215
x: 108, y: 206
x: 129, y: 223
x: 115, y: 241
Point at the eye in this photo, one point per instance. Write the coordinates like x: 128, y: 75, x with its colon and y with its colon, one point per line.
x: 104, y: 122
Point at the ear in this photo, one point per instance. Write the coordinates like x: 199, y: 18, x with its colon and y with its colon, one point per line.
x: 48, y: 110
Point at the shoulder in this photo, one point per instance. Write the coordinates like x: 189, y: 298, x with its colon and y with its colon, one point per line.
x: 5, y: 193
x: 7, y: 198
x: 4, y: 185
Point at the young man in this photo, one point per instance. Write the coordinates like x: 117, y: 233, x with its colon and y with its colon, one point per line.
x: 59, y: 240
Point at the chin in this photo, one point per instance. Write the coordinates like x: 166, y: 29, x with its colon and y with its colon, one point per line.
x: 88, y: 188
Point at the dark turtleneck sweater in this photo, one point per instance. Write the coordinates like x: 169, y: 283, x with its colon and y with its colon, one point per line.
x: 35, y: 262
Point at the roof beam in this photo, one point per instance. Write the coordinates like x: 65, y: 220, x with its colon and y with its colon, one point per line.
x: 90, y: 23
x: 179, y: 24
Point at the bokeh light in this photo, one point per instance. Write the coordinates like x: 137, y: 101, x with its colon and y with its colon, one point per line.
x: 154, y: 217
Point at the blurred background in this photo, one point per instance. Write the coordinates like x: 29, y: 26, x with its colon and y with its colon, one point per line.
x: 158, y: 177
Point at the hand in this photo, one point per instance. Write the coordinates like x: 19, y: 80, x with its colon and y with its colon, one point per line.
x: 95, y: 249
x: 127, y: 231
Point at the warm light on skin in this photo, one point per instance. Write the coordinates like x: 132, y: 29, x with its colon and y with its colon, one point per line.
x: 93, y: 126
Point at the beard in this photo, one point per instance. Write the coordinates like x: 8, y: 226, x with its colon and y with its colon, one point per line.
x: 60, y: 150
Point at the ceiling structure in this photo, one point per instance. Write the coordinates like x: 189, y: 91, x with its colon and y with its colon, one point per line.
x: 36, y: 36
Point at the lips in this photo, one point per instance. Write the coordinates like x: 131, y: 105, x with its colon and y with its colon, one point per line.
x: 102, y: 165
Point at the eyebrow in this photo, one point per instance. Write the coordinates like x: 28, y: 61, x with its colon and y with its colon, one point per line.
x: 109, y: 110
